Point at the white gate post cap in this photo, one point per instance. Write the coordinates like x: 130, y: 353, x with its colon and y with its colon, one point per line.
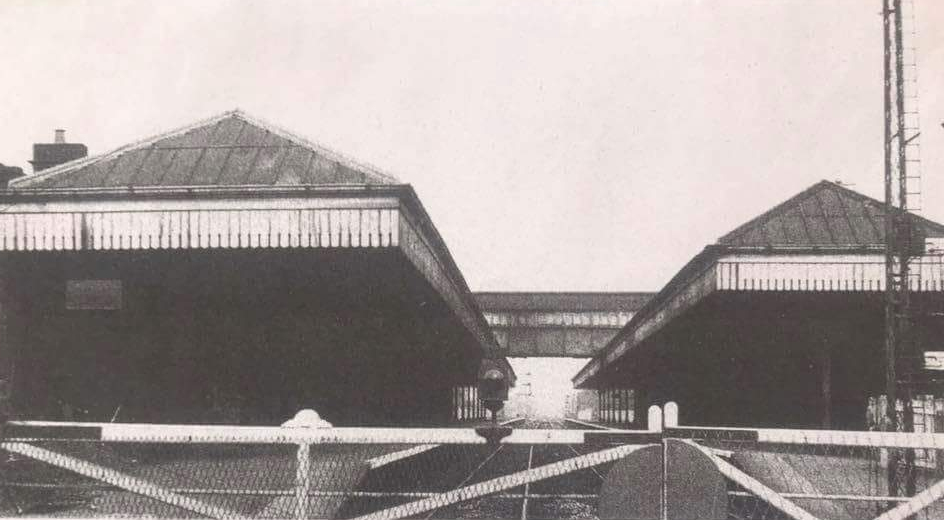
x: 306, y: 418
x: 670, y: 415
x: 655, y: 418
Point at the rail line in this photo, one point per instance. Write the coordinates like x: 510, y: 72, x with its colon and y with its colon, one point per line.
x: 568, y: 496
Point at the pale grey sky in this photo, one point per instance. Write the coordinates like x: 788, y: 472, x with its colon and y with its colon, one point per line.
x: 558, y: 145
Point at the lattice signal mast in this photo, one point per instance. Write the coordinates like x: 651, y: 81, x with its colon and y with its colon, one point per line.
x: 902, y: 242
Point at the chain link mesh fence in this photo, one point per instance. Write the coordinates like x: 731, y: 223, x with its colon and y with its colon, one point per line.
x: 290, y: 479
x: 451, y: 473
x: 825, y: 474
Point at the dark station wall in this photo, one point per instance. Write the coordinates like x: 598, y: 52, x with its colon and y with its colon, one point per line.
x: 762, y: 359
x: 228, y: 336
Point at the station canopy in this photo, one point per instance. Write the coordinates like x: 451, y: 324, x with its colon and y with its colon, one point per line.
x: 826, y: 240
x: 236, y: 209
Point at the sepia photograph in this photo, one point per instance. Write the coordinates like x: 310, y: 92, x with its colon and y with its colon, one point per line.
x: 415, y: 259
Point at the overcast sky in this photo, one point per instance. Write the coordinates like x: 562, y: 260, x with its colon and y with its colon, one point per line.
x: 572, y: 145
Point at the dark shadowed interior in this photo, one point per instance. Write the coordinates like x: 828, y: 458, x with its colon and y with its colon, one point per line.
x: 233, y: 336
x: 762, y: 359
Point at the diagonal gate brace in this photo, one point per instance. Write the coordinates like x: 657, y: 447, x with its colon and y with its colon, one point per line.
x: 503, y: 483
x: 121, y: 480
x: 756, y: 487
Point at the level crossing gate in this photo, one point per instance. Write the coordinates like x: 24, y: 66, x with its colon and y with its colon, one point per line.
x: 584, y: 471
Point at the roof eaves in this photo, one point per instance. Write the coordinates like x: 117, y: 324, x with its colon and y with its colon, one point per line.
x: 694, y: 266
x: 776, y: 249
x: 209, y: 191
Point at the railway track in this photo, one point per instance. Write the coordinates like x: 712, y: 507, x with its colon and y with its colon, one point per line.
x: 446, y: 468
x: 394, y: 479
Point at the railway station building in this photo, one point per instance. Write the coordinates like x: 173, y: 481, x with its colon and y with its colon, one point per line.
x: 780, y: 323
x: 230, y: 271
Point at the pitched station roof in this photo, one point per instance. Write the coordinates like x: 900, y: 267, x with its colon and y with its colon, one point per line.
x: 240, y: 156
x: 822, y: 219
x: 562, y: 301
x: 823, y: 215
x: 231, y: 149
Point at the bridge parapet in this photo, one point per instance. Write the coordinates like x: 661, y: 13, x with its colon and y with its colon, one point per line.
x: 557, y: 324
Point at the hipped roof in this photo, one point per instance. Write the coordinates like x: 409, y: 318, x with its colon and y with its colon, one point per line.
x: 231, y: 149
x: 822, y: 216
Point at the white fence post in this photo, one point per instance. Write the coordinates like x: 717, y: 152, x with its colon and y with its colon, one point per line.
x: 670, y: 416
x: 655, y: 418
x: 302, y: 480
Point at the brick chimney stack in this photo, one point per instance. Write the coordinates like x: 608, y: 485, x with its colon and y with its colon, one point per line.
x: 47, y: 155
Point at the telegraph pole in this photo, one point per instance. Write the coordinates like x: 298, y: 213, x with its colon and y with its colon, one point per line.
x: 900, y: 357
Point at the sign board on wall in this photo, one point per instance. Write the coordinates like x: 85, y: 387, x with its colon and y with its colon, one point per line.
x: 934, y: 360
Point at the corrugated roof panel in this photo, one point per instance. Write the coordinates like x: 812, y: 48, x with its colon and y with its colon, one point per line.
x: 231, y: 149
x: 326, y: 171
x: 181, y: 169
x: 253, y: 135
x: 195, y: 137
x: 295, y: 167
x: 840, y: 221
x: 825, y: 214
x: 90, y: 176
x: 210, y: 167
x: 754, y: 236
x: 788, y: 234
x: 795, y: 226
x: 152, y: 171
x: 126, y: 166
x: 275, y: 139
x: 872, y: 220
x: 818, y: 232
x: 321, y: 170
x: 224, y: 133
x: 347, y: 175
x: 268, y: 164
x: 774, y: 232
x: 55, y: 182
x: 238, y: 166
x: 248, y: 146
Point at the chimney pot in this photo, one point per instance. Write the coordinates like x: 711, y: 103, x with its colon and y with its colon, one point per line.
x: 60, y: 136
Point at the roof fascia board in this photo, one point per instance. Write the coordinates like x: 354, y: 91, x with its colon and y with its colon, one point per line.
x: 424, y: 249
x: 414, y: 214
x: 215, y: 204
x: 690, y: 285
x: 199, y: 192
